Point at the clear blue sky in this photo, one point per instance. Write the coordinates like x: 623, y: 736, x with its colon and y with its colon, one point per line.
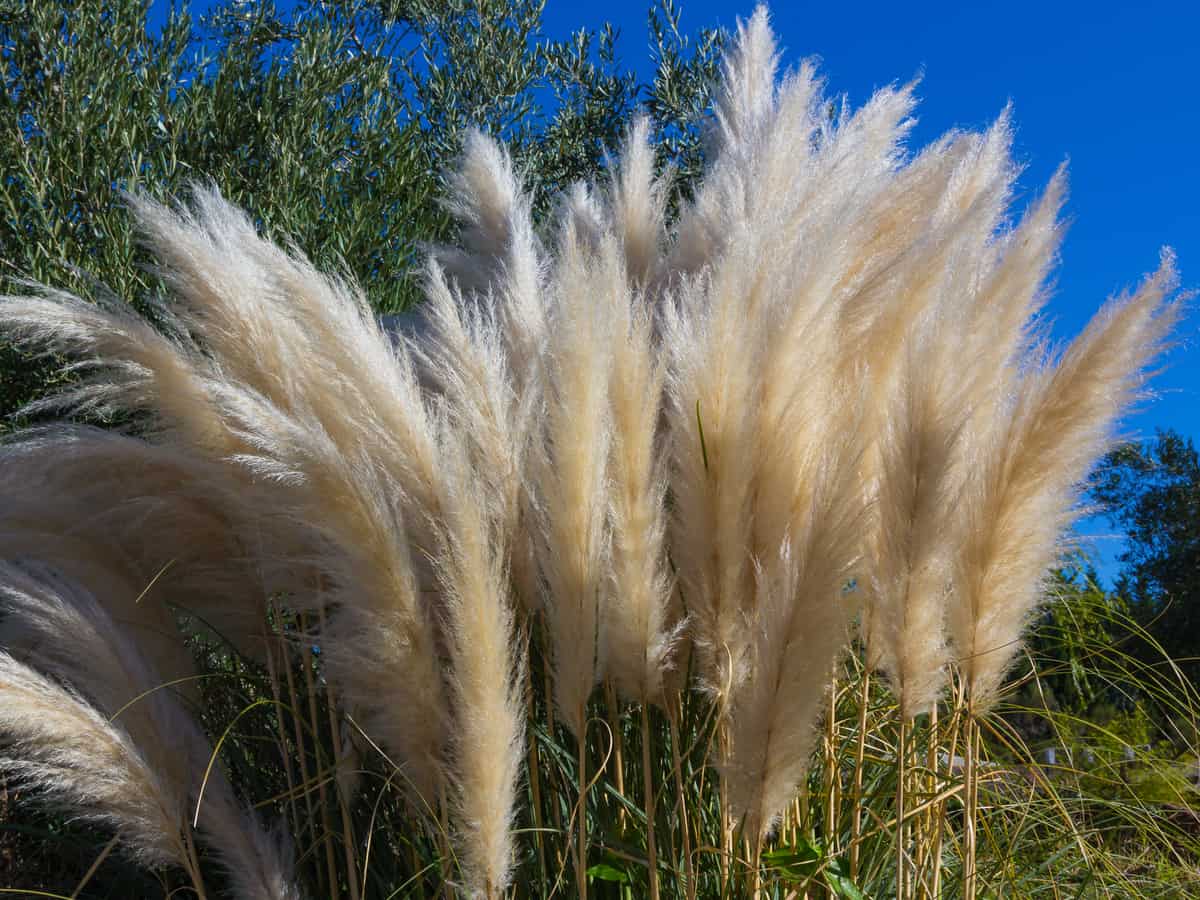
x: 1113, y: 88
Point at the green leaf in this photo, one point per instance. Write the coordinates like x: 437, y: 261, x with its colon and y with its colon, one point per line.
x: 605, y: 872
x: 837, y: 876
x: 797, y: 862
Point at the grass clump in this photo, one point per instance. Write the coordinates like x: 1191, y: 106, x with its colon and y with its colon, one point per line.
x: 681, y: 556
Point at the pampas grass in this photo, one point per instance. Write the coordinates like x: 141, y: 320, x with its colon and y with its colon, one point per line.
x: 129, y: 756
x: 72, y: 754
x: 1022, y: 496
x: 680, y: 455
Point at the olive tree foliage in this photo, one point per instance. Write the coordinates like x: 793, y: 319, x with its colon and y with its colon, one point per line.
x: 330, y: 121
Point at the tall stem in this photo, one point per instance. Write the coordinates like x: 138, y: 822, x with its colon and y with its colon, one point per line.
x: 901, y: 777
x: 335, y: 731
x: 972, y: 800
x: 548, y: 698
x: 832, y: 770
x: 614, y: 725
x: 581, y: 852
x: 726, y: 818
x: 860, y: 752
x: 931, y: 846
x: 648, y: 780
x: 193, y: 859
x: 677, y: 760
x: 535, y: 783
x: 956, y: 726
x: 294, y: 700
x: 310, y: 686
x: 284, y: 751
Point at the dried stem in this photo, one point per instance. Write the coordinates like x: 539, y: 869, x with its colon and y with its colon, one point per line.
x: 860, y: 752
x: 971, y: 776
x: 673, y: 712
x: 193, y: 865
x: 614, y: 724
x: 310, y: 686
x: 581, y: 852
x: 335, y: 730
x: 294, y: 701
x: 284, y: 752
x: 648, y: 780
x: 901, y: 828
x: 535, y: 782
x: 832, y: 770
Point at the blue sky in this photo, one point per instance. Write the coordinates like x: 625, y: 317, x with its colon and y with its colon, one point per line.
x: 1109, y: 87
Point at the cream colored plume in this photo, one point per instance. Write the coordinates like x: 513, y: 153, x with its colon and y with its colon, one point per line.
x: 487, y: 662
x: 464, y: 357
x: 800, y: 629
x: 129, y: 756
x: 789, y: 187
x: 639, y: 634
x: 89, y: 502
x: 1032, y: 456
x: 501, y: 262
x: 571, y: 456
x: 301, y: 404
x: 637, y: 202
x: 332, y: 419
x: 921, y: 407
x: 81, y: 762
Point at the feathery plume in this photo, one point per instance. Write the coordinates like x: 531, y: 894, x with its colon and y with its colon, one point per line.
x: 801, y: 626
x: 486, y: 680
x: 78, y: 760
x: 570, y: 465
x: 465, y: 360
x: 88, y: 501
x: 133, y: 758
x: 501, y: 254
x: 1021, y: 496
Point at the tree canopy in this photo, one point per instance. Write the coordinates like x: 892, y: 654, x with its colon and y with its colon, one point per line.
x: 1152, y: 492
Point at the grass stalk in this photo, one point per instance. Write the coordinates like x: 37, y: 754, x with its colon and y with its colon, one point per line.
x: 322, y: 798
x: 860, y: 752
x: 614, y: 724
x: 832, y: 770
x: 901, y: 828
x: 971, y: 779
x: 726, y: 820
x: 673, y: 713
x: 956, y: 726
x: 930, y: 850
x: 288, y: 770
x: 648, y: 780
x: 805, y: 803
x: 294, y: 701
x: 535, y: 782
x: 95, y: 866
x: 581, y: 852
x: 193, y: 861
x: 349, y: 844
